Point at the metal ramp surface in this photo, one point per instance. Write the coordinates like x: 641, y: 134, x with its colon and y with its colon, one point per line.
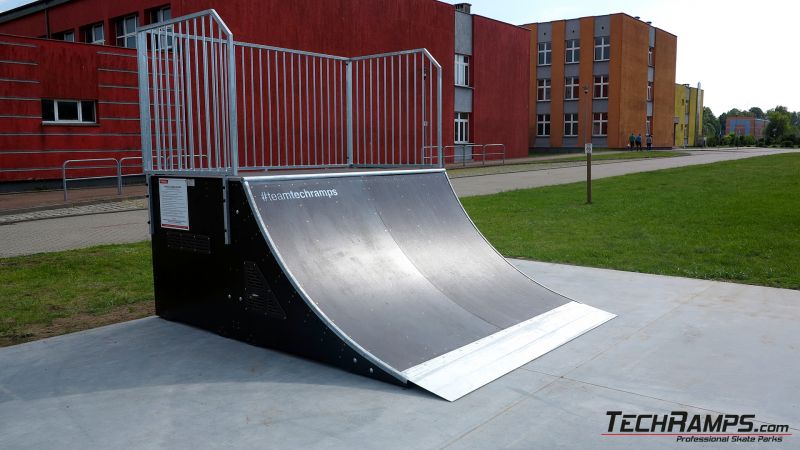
x: 391, y: 263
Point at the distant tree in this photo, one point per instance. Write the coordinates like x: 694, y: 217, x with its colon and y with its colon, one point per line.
x: 795, y: 118
x: 710, y: 123
x: 780, y: 127
x: 723, y: 118
x: 757, y: 112
x: 735, y: 112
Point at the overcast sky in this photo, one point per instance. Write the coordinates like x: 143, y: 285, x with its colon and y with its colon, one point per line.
x: 745, y: 53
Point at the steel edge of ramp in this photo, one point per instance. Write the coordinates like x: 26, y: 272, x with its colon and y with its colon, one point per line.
x: 463, y: 370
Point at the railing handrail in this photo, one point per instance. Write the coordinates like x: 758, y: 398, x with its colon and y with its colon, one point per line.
x: 483, y: 153
x: 118, y: 165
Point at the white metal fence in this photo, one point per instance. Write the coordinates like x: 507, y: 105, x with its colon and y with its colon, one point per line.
x: 210, y: 104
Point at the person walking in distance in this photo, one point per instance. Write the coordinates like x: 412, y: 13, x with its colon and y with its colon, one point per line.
x: 639, y: 142
x: 649, y: 142
x: 631, y: 141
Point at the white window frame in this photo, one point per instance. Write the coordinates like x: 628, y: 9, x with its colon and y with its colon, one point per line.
x: 543, y: 89
x: 648, y: 126
x: 543, y: 125
x: 600, y: 124
x: 157, y: 14
x: 80, y: 120
x: 571, y: 124
x: 68, y: 36
x: 92, y: 37
x: 572, y: 52
x: 602, y: 84
x: 651, y: 61
x: 126, y: 33
x: 602, y: 43
x: 572, y: 88
x: 545, y: 54
x: 461, y: 128
x: 649, y: 91
x: 462, y: 70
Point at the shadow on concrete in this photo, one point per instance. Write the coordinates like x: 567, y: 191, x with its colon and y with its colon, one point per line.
x: 155, y: 352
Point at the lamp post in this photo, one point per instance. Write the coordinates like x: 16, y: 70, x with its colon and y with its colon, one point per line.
x: 587, y: 144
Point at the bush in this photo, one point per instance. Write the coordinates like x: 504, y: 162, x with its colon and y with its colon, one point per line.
x: 787, y: 143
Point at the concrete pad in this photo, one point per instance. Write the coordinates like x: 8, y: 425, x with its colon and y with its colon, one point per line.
x: 677, y: 344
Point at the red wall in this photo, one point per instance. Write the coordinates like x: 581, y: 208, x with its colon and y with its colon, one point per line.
x: 33, y: 69
x: 500, y: 101
x: 339, y: 27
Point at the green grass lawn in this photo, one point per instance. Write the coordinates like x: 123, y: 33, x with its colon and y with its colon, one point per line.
x: 546, y: 163
x: 39, y: 289
x: 735, y: 221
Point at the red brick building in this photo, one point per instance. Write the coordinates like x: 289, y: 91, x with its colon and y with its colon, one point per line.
x: 78, y: 99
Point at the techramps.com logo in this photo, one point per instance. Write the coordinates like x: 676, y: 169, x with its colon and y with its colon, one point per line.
x: 700, y: 428
x: 298, y: 195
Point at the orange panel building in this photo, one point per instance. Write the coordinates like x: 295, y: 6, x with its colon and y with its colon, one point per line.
x: 599, y: 79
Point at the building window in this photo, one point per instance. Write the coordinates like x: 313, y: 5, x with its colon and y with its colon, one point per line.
x: 602, y: 48
x: 68, y: 111
x: 649, y: 125
x: 126, y: 31
x: 462, y: 70
x: 545, y: 53
x: 600, y: 124
x: 649, y: 91
x: 543, y: 89
x: 571, y: 124
x: 461, y: 128
x: 160, y: 14
x: 68, y: 36
x: 572, y: 90
x: 601, y: 86
x: 94, y: 34
x: 650, y: 57
x: 543, y: 124
x: 573, y: 51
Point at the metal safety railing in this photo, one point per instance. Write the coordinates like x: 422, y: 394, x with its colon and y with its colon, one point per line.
x: 211, y: 104
x: 118, y: 166
x: 465, y: 153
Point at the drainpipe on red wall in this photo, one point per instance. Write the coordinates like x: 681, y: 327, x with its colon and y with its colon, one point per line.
x: 46, y: 23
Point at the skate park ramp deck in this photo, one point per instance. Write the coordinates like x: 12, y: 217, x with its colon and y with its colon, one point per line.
x: 392, y: 264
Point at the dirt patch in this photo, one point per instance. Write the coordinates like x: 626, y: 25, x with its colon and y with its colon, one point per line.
x: 77, y: 322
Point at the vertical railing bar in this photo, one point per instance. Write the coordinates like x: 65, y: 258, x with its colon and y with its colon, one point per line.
x: 244, y: 109
x: 422, y: 105
x: 371, y: 126
x: 439, y: 113
x: 199, y: 142
x: 408, y: 126
x: 337, y: 65
x: 252, y: 109
x: 414, y: 148
x: 363, y: 115
x: 177, y: 75
x: 169, y: 87
x: 300, y: 102
x: 269, y: 108
x: 391, y: 97
x: 430, y: 101
x: 321, y: 120
x: 285, y: 112
x: 214, y: 96
x: 261, y: 103
x: 143, y: 79
x: 291, y: 77
x: 356, y: 115
x: 232, y: 121
x: 189, y: 92
x: 385, y: 131
x: 227, y: 71
x: 327, y: 155
x: 400, y: 107
x: 349, y: 110
x: 156, y: 81
x: 209, y: 144
x: 313, y: 150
